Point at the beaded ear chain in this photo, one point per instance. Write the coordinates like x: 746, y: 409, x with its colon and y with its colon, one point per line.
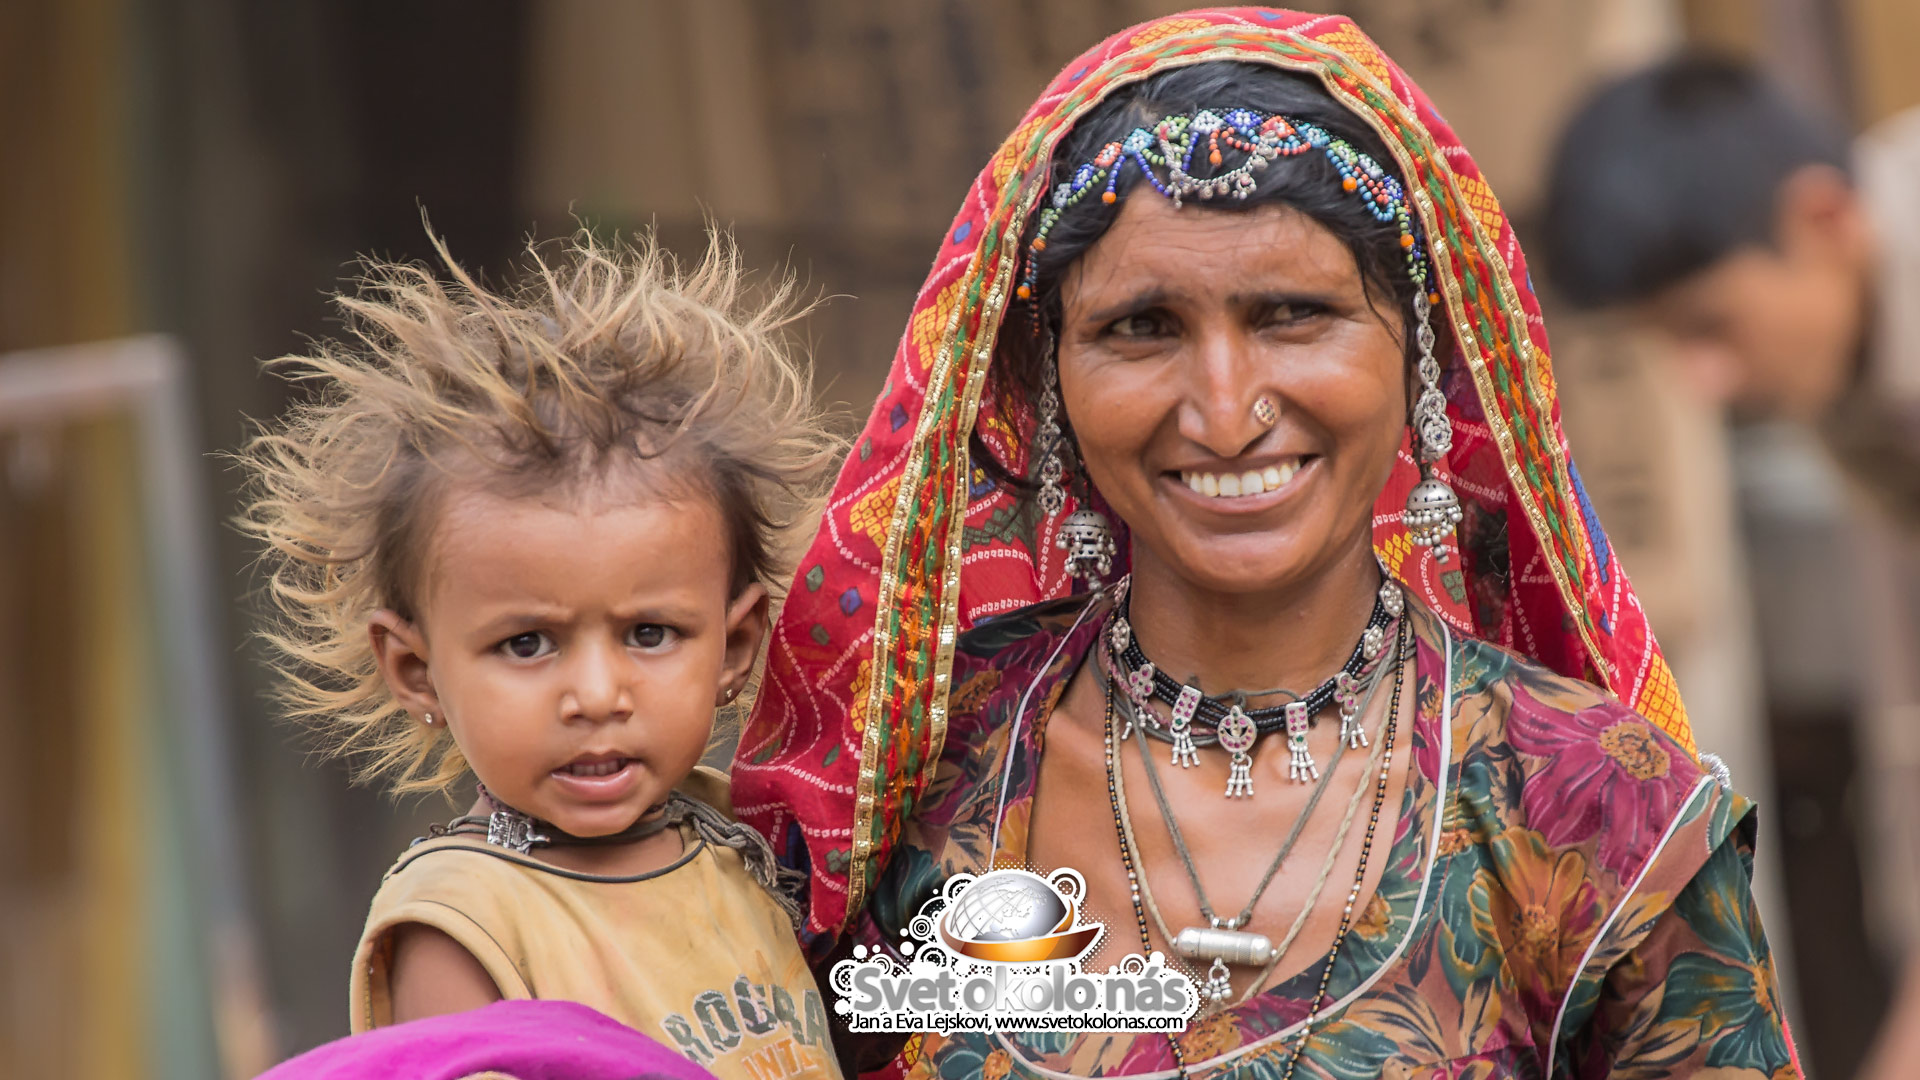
x: 1171, y: 144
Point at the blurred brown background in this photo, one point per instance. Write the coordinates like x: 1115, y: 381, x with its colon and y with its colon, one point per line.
x: 181, y: 885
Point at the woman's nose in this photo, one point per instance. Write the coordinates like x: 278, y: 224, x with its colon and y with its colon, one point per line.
x: 1222, y: 383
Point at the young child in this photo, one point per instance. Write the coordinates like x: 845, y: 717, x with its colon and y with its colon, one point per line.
x: 529, y: 534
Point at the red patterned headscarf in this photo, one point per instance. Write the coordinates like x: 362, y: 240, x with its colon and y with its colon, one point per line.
x: 917, y: 546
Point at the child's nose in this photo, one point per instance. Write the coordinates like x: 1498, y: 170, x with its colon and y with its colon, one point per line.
x: 599, y: 690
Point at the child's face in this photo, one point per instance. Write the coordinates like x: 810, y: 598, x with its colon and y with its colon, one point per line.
x: 576, y: 649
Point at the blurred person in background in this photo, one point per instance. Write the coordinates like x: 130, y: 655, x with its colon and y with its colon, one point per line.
x: 1778, y: 261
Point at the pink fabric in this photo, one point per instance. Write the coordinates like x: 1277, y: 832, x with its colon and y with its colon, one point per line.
x: 527, y: 1040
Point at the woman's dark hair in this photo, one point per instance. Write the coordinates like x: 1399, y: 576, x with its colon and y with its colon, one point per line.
x: 1307, y: 182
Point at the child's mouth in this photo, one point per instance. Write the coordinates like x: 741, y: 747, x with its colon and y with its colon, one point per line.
x: 599, y: 777
x: 595, y: 766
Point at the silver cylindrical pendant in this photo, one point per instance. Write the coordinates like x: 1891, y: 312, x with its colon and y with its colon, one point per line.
x: 1233, y: 946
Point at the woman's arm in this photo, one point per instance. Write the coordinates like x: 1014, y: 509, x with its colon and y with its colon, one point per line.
x: 432, y: 975
x: 1698, y: 994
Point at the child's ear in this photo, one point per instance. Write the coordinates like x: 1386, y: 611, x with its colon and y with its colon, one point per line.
x: 746, y: 628
x: 400, y: 650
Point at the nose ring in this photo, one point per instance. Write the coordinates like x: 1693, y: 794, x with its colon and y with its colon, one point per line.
x: 1265, y: 411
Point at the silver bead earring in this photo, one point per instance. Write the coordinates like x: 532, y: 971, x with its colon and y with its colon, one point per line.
x: 1088, y: 541
x: 1433, y: 510
x: 427, y: 719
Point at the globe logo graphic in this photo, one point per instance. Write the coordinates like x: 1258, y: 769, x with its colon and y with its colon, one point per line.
x: 1011, y: 905
x: 1017, y: 916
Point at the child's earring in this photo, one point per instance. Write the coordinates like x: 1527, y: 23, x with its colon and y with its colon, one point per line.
x: 427, y: 719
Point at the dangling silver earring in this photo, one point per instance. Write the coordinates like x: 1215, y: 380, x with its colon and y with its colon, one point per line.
x: 1085, y: 535
x: 1433, y: 510
x: 1047, y: 438
x: 1088, y: 541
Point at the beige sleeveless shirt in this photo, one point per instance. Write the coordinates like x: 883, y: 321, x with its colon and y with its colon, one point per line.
x: 695, y: 954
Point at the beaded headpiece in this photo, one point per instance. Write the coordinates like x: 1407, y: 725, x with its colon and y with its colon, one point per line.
x: 1170, y: 145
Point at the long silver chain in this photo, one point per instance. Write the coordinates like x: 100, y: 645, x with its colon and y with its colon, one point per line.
x: 1286, y: 846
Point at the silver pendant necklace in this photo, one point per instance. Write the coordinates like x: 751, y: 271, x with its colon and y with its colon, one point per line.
x: 1224, y: 941
x: 1196, y: 719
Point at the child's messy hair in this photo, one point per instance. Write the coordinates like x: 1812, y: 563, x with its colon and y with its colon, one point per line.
x: 605, y: 355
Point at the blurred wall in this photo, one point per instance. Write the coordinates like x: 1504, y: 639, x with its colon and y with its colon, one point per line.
x: 274, y: 144
x: 72, y: 947
x: 839, y: 137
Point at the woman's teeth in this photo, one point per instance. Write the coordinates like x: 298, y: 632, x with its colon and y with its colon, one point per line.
x: 1234, y: 485
x: 595, y: 768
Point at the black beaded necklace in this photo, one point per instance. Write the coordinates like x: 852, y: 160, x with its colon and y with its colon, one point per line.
x: 1211, y: 710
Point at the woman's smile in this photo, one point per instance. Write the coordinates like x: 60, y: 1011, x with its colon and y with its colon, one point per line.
x: 1244, y: 487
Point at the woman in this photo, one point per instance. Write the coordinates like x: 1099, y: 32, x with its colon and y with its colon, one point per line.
x: 1233, y: 286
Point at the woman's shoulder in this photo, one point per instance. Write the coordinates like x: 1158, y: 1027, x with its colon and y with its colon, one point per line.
x: 988, y: 640
x: 1501, y: 697
x: 1024, y: 642
x: 1573, y: 770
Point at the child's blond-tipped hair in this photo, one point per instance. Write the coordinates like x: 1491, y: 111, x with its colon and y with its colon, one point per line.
x: 603, y: 356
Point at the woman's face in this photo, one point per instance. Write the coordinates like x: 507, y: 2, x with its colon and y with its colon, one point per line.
x: 1174, y: 323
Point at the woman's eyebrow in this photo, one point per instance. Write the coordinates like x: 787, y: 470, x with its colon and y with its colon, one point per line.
x: 1150, y: 297
x: 1281, y: 297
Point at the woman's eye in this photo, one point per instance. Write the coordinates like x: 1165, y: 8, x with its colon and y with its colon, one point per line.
x: 527, y: 646
x: 1143, y: 324
x: 1289, y: 314
x: 649, y: 636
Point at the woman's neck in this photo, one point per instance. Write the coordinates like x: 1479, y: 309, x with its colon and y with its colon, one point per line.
x: 1293, y: 636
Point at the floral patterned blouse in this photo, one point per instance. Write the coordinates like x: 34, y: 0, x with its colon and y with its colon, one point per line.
x: 1567, y: 891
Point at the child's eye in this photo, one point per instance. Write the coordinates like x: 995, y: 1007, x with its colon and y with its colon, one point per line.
x: 527, y: 646
x: 649, y: 636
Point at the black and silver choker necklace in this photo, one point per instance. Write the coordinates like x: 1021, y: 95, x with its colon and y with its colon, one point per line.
x: 509, y: 828
x: 506, y: 827
x: 1200, y: 719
